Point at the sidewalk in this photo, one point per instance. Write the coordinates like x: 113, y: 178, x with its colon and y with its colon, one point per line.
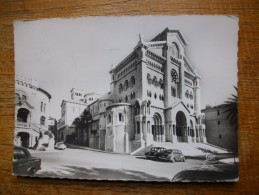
x: 92, y: 149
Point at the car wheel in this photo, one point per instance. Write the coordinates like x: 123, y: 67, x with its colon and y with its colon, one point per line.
x: 32, y: 171
x: 172, y: 160
x: 183, y: 159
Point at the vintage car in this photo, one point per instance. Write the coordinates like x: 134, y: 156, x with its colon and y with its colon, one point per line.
x: 60, y: 146
x: 171, y: 155
x: 23, y: 163
x: 152, y: 153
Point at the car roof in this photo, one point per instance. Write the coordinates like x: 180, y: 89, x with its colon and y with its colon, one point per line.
x: 158, y: 147
x: 19, y: 147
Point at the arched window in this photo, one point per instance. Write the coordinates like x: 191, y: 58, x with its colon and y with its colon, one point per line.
x: 121, y: 118
x: 174, y: 75
x: 42, y: 120
x: 132, y: 81
x: 109, y: 119
x: 148, y: 79
x: 173, y: 91
x: 155, y: 96
x: 187, y: 94
x: 120, y: 88
x: 126, y: 85
x: 126, y: 98
x: 41, y: 106
x: 161, y: 83
x: 148, y: 126
x: 154, y: 81
x: 175, y: 50
x: 191, y: 96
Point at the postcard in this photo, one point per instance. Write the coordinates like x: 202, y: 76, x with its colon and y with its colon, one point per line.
x: 131, y: 98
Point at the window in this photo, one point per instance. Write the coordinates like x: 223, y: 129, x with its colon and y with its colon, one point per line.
x: 148, y: 126
x: 126, y: 98
x: 120, y: 88
x: 121, y: 119
x: 154, y: 81
x: 173, y: 91
x: 23, y: 98
x: 148, y: 79
x: 109, y: 119
x: 174, y: 75
x: 19, y: 154
x: 41, y: 106
x: 218, y: 122
x: 155, y: 96
x: 42, y: 120
x: 132, y: 95
x: 161, y: 83
x: 220, y: 136
x: 138, y: 127
x: 191, y: 96
x: 132, y: 81
x: 218, y: 112
x: 126, y: 85
x: 44, y: 107
x: 187, y: 94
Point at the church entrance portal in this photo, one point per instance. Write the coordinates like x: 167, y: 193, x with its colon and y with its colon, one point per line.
x: 24, y: 139
x: 157, y: 128
x: 181, y: 127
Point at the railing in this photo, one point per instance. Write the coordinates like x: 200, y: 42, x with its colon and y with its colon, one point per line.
x: 23, y: 125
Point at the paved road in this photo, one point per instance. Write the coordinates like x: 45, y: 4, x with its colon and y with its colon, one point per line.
x: 85, y: 164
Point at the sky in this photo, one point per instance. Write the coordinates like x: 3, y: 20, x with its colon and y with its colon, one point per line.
x: 67, y: 53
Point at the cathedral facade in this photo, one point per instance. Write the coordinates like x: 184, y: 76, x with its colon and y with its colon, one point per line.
x: 154, y: 97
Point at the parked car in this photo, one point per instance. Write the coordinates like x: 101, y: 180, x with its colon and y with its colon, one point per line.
x: 152, y: 153
x: 171, y: 155
x: 208, y: 173
x: 23, y: 163
x: 60, y: 146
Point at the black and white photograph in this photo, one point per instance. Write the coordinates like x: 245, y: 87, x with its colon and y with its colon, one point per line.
x: 129, y: 98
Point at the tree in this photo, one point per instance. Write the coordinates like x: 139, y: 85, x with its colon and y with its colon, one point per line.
x: 231, y: 106
x: 76, y: 122
x: 82, y: 125
x: 232, y: 110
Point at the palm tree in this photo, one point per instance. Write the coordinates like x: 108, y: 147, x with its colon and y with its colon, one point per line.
x: 85, y: 120
x: 232, y: 110
x: 76, y: 122
x: 232, y: 115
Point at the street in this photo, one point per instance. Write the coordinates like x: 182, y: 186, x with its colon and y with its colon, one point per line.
x: 86, y: 164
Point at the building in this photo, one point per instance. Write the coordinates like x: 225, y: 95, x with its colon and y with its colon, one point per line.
x: 31, y: 114
x: 154, y: 97
x: 219, y: 131
x: 70, y: 110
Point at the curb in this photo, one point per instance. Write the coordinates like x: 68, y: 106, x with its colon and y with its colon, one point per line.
x: 92, y: 149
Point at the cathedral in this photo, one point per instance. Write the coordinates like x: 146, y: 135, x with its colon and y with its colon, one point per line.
x: 154, y: 97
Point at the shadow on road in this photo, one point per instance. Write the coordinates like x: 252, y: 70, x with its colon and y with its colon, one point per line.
x: 74, y: 172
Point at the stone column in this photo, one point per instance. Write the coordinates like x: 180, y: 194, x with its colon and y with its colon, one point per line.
x: 197, y: 105
x: 174, y: 137
x: 163, y: 133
